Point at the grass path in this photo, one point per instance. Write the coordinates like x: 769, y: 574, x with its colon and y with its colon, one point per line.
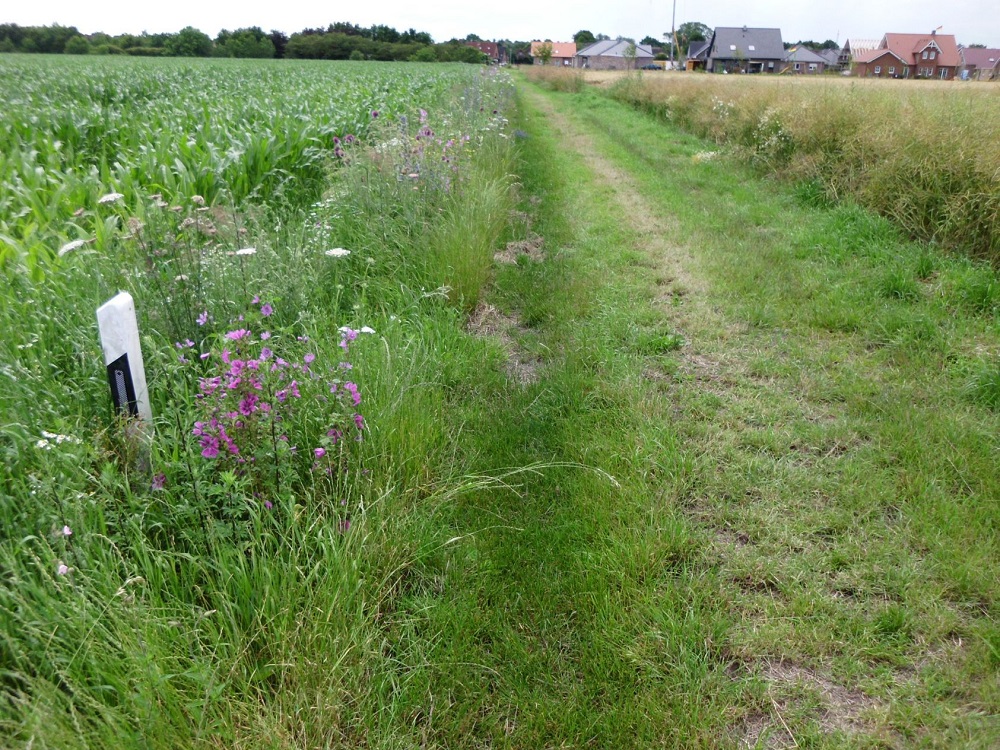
x: 799, y: 544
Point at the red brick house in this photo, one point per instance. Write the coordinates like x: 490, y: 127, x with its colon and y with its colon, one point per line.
x: 911, y: 56
x: 490, y: 49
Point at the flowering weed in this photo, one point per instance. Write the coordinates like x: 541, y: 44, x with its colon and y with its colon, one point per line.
x: 270, y: 414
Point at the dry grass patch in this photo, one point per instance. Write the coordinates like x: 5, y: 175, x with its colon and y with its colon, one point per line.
x: 487, y: 321
x: 854, y: 139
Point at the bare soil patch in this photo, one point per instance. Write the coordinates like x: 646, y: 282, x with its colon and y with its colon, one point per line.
x: 487, y: 321
x: 530, y: 247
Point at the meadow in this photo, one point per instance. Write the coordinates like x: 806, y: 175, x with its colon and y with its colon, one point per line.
x: 921, y: 153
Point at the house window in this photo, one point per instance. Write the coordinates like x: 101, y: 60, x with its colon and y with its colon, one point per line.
x: 732, y: 47
x: 944, y: 74
x: 906, y: 71
x: 878, y: 70
x: 752, y: 48
x: 892, y: 70
x: 924, y: 55
x: 812, y: 67
x: 797, y: 66
x: 933, y: 54
x: 770, y: 66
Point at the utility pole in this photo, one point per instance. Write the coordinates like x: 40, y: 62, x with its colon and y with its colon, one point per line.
x: 673, y: 34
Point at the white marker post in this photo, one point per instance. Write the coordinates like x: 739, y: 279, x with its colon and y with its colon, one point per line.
x: 123, y: 358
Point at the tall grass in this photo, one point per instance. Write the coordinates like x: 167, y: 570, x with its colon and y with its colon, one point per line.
x: 154, y: 597
x: 921, y: 153
x: 556, y: 78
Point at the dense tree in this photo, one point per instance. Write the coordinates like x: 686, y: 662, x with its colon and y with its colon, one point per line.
x: 814, y: 46
x: 651, y: 41
x: 385, y: 34
x: 691, y: 31
x: 251, y: 42
x: 46, y: 39
x: 544, y: 52
x: 583, y: 38
x: 412, y: 36
x: 280, y: 41
x: 456, y: 50
x: 77, y: 45
x: 189, y: 42
x: 519, y: 53
x: 425, y: 54
x: 335, y: 42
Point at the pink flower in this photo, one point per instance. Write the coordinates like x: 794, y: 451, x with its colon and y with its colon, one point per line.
x: 238, y: 334
x: 266, y: 310
x: 203, y: 318
x: 159, y: 481
x: 320, y: 452
x: 66, y: 531
x: 63, y: 569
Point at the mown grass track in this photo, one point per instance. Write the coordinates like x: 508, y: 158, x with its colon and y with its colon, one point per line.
x: 801, y: 545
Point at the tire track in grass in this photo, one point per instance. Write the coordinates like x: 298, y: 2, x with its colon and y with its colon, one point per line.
x: 779, y: 472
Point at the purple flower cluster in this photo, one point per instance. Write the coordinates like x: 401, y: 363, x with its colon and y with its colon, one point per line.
x: 339, y: 145
x: 256, y: 405
x: 433, y: 159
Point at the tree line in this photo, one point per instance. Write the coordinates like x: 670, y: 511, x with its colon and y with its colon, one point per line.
x: 338, y: 41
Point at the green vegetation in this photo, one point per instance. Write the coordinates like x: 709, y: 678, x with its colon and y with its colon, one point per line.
x: 338, y: 41
x: 922, y: 155
x: 169, y: 595
x: 75, y: 130
x: 654, y: 453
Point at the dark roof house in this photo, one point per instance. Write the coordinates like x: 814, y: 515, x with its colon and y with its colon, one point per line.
x: 745, y: 50
x: 831, y: 57
x: 980, y: 64
x: 697, y: 57
x: 614, y: 54
x: 804, y: 60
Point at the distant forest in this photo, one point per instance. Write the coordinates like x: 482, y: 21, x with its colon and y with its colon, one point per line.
x: 338, y: 41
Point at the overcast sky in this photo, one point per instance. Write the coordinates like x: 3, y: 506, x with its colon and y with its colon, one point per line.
x: 971, y: 21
